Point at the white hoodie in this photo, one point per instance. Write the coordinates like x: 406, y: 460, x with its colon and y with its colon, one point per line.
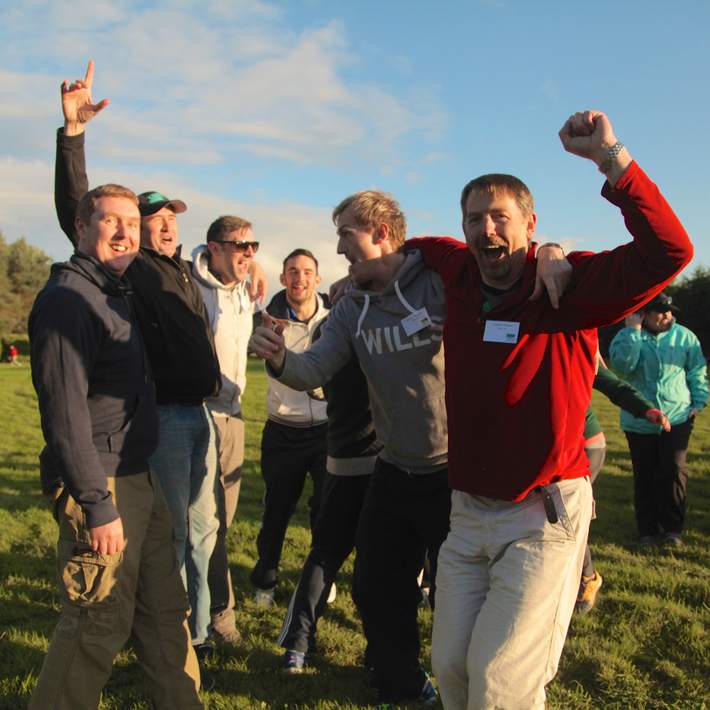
x: 230, y: 314
x: 286, y: 405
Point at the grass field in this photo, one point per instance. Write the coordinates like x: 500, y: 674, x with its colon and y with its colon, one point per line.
x: 644, y: 646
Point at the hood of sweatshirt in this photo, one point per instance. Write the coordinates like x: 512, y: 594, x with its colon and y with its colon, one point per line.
x: 201, y: 269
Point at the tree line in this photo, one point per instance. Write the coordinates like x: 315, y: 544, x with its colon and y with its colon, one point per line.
x: 23, y: 271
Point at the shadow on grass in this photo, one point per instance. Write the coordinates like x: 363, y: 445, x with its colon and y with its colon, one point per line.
x: 257, y: 674
x: 18, y: 491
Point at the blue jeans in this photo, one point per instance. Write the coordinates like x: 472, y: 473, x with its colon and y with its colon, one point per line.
x: 186, y: 464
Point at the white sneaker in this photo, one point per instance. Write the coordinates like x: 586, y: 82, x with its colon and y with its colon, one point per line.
x: 332, y: 594
x: 264, y: 598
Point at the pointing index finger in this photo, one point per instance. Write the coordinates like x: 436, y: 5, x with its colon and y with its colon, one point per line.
x: 89, y: 78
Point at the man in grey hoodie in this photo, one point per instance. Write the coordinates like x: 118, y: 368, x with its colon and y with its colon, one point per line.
x: 220, y: 268
x: 392, y: 324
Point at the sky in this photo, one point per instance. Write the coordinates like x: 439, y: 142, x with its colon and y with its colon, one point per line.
x: 275, y: 111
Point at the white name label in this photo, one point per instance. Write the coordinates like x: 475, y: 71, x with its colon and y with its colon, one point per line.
x: 416, y: 321
x: 501, y: 331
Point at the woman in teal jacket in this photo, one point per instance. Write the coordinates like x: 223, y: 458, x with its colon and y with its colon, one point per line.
x: 664, y: 361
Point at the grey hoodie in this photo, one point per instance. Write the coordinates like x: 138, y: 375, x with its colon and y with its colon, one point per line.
x: 405, y: 374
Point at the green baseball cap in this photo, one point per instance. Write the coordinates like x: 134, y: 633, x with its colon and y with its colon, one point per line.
x: 152, y: 201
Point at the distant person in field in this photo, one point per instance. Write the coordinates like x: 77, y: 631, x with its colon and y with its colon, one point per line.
x: 117, y: 569
x: 627, y: 397
x: 13, y: 355
x: 519, y: 376
x: 665, y: 362
x: 220, y: 268
x: 293, y: 443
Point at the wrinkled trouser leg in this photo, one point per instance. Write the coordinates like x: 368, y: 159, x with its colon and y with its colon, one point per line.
x: 99, y: 595
x: 333, y: 541
x: 186, y: 464
x: 402, y: 517
x: 160, y: 629
x: 288, y: 454
x: 507, y: 583
x: 230, y: 431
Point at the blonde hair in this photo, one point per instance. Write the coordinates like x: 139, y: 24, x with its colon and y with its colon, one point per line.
x: 372, y: 208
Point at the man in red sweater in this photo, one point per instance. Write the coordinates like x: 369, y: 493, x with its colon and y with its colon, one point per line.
x: 519, y: 376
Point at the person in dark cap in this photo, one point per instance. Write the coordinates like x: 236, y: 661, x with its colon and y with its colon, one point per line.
x: 180, y: 346
x: 664, y: 361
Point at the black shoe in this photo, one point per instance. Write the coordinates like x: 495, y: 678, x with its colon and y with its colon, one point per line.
x: 204, y: 650
x: 207, y: 681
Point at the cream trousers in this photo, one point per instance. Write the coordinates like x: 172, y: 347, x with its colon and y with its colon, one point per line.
x: 506, y: 586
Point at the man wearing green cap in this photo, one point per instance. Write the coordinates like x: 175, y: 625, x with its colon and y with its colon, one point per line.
x: 180, y: 346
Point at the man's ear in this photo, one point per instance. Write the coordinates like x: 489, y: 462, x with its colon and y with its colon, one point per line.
x: 381, y: 233
x: 317, y: 279
x: 79, y: 229
x: 212, y: 248
x: 282, y: 279
x: 530, y: 228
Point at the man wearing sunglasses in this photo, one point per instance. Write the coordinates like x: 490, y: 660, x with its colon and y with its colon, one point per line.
x: 220, y: 268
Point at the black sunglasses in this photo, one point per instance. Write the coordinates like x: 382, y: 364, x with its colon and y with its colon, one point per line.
x: 239, y: 245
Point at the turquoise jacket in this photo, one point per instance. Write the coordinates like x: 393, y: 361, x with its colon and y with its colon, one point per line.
x: 668, y: 369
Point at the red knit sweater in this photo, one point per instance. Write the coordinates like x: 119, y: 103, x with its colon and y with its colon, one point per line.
x: 516, y: 411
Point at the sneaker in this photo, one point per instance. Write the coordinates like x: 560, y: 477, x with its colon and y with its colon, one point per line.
x: 204, y: 650
x: 207, y: 681
x: 588, y: 589
x: 227, y: 636
x: 293, y: 662
x: 673, y: 540
x: 223, y: 628
x: 332, y: 594
x: 428, y: 696
x: 264, y: 598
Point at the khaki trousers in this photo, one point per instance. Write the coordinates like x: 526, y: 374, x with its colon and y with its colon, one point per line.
x: 230, y: 444
x: 106, y: 597
x: 506, y: 586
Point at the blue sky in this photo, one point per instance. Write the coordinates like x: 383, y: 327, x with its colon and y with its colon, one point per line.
x: 275, y: 111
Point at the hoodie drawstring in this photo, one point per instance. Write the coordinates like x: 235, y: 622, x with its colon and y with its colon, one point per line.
x: 363, y: 313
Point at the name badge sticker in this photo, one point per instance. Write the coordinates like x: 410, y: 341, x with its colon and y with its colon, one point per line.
x: 416, y: 321
x: 501, y: 331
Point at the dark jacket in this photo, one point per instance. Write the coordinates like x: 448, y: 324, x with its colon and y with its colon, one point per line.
x: 93, y: 381
x: 169, y: 305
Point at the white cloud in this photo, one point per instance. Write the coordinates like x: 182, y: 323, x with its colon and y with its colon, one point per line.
x: 27, y: 209
x: 196, y: 86
x: 211, y: 73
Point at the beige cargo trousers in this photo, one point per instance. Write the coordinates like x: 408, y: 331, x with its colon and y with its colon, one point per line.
x: 105, y: 598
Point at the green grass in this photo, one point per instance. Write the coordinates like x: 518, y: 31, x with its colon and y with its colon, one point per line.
x: 644, y: 646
